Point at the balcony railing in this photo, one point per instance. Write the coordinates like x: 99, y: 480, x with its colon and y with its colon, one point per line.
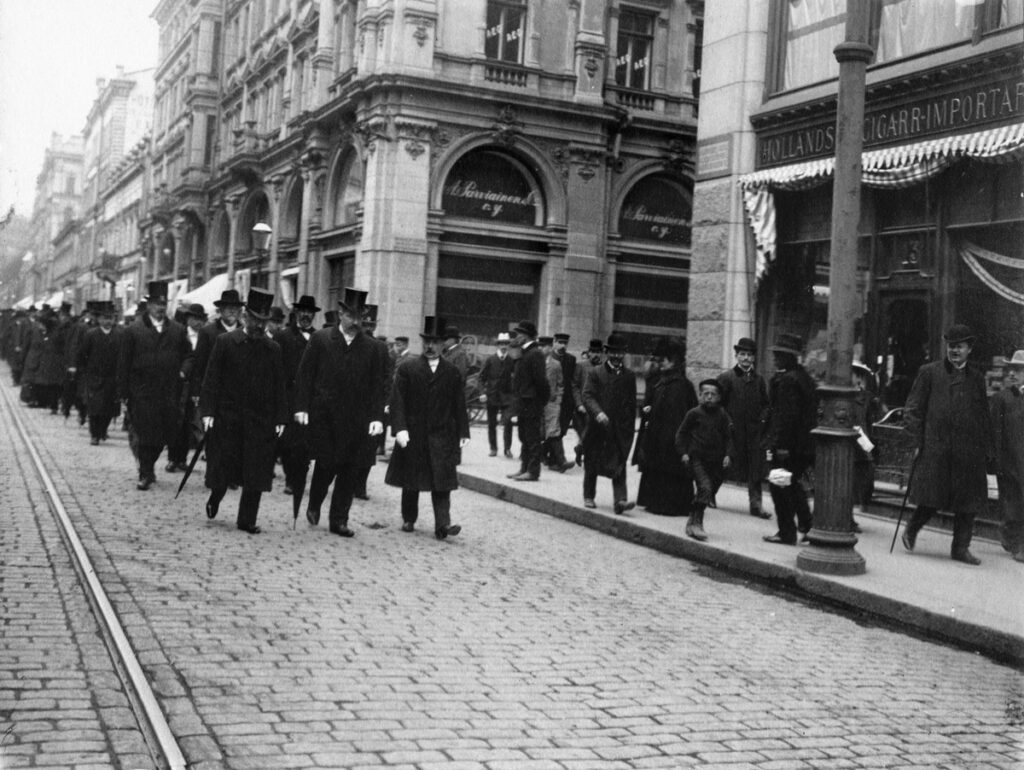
x: 505, y: 74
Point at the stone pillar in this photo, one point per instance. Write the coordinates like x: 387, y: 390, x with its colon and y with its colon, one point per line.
x: 832, y: 539
x: 231, y: 207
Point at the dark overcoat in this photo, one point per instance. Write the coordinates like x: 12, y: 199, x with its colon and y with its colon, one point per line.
x: 1007, y: 408
x: 243, y: 391
x: 292, y: 444
x: 529, y: 377
x: 568, y: 406
x: 432, y: 407
x: 496, y: 379
x: 44, y: 361
x: 946, y: 417
x: 340, y: 386
x: 745, y: 400
x: 150, y: 372
x: 671, y: 397
x: 613, y: 393
x: 97, y: 370
x: 792, y: 415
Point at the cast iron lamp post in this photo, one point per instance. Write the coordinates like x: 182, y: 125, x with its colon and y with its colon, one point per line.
x: 261, y: 232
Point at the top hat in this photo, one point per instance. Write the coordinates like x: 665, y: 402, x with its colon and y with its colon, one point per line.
x: 1016, y: 361
x: 306, y: 303
x: 157, y: 291
x: 959, y: 333
x: 229, y: 298
x: 195, y: 309
x: 745, y: 343
x: 596, y: 346
x: 104, y: 307
x: 529, y: 328
x: 90, y: 305
x: 330, y: 318
x: 561, y: 337
x: 433, y: 328
x: 544, y: 341
x: 787, y: 343
x: 452, y: 333
x: 503, y: 337
x: 32, y: 308
x: 615, y: 342
x: 277, y: 314
x: 258, y: 303
x: 65, y: 307
x: 353, y: 301
x: 370, y: 314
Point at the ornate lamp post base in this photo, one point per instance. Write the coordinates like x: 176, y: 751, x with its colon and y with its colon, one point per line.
x: 832, y: 550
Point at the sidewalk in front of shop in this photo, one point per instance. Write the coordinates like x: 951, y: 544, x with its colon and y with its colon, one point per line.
x: 924, y: 592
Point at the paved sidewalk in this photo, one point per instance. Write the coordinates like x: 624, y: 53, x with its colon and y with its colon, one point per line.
x: 980, y: 608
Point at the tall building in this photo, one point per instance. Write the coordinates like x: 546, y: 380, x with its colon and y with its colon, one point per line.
x: 480, y: 160
x: 942, y: 223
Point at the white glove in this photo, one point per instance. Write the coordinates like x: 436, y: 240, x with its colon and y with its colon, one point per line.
x: 279, y: 429
x: 483, y: 398
x: 302, y: 418
x: 207, y: 424
x: 463, y: 442
x: 402, y: 438
x: 376, y: 428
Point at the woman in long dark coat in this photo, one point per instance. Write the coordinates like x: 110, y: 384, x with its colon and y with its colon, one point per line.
x: 97, y: 371
x: 666, y: 487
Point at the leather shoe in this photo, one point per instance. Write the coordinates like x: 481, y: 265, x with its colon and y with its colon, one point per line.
x: 759, y: 513
x: 408, y: 526
x: 508, y: 453
x: 452, y: 531
x: 621, y: 506
x: 361, y: 496
x: 288, y: 489
x: 493, y: 453
x: 94, y: 441
x: 524, y: 476
x: 313, y: 517
x: 342, y: 531
x: 211, y: 509
x: 171, y: 467
x: 777, y: 538
x: 909, y: 539
x: 144, y: 484
x: 564, y: 467
x: 967, y: 558
x: 588, y: 503
x: 253, y: 530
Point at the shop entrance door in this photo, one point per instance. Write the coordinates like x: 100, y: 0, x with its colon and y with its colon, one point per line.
x: 904, y: 322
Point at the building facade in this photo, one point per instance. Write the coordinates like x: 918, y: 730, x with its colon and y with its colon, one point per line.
x: 942, y: 224
x: 481, y: 160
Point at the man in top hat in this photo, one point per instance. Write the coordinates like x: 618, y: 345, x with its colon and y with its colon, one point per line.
x: 194, y: 318
x: 454, y: 352
x: 155, y: 360
x: 375, y: 447
x: 75, y: 389
x: 339, y: 393
x: 96, y: 365
x: 244, y: 410
x: 609, y: 396
x: 496, y: 381
x: 531, y: 392
x: 293, y: 340
x: 430, y: 426
x: 745, y: 400
x: 792, y: 415
x: 591, y: 359
x: 947, y: 419
x: 1008, y: 433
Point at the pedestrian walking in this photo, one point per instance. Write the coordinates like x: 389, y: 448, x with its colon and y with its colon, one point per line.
x: 496, y: 381
x: 666, y: 484
x: 552, y: 453
x: 453, y: 351
x: 375, y: 447
x: 867, y: 410
x: 75, y: 385
x: 591, y: 359
x: 339, y: 394
x: 704, y: 443
x: 293, y: 446
x: 244, y: 410
x: 96, y: 366
x: 1008, y: 436
x: 947, y: 419
x: 531, y: 392
x: 229, y: 309
x: 792, y: 415
x: 44, y: 370
x: 430, y: 426
x: 201, y: 345
x: 560, y: 352
x: 610, y: 397
x: 155, y: 360
x: 745, y: 399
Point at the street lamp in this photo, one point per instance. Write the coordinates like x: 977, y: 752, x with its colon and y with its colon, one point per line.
x: 261, y: 233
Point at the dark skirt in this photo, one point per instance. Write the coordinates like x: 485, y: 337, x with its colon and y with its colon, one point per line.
x: 666, y: 494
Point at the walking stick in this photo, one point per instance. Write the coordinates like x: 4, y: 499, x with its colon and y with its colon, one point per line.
x: 903, y: 508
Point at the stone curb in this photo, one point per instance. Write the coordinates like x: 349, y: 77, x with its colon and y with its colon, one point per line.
x: 999, y: 645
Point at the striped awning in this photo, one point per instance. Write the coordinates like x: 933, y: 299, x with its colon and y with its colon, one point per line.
x: 900, y: 165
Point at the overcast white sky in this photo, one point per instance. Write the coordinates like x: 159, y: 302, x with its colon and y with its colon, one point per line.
x: 51, y: 53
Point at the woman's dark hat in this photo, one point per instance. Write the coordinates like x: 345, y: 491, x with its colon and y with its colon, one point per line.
x: 229, y: 298
x: 529, y: 328
x: 615, y: 342
x: 959, y: 333
x: 156, y: 291
x: 259, y: 303
x: 745, y: 343
x: 353, y: 301
x: 307, y: 304
x: 433, y: 328
x: 787, y: 343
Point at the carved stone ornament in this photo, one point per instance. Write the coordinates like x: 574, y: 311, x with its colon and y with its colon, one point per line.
x: 680, y: 157
x: 508, y: 128
x: 591, y: 65
x: 422, y: 32
x: 415, y: 148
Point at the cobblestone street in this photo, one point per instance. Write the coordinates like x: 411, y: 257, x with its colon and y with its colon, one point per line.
x: 525, y: 642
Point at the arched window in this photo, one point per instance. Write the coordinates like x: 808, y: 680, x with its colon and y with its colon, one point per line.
x: 347, y: 187
x: 492, y: 185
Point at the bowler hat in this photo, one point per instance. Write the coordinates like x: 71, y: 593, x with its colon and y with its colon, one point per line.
x: 306, y: 303
x: 156, y: 291
x: 229, y: 298
x: 1016, y: 361
x: 195, y: 309
x: 452, y: 333
x: 529, y: 328
x: 369, y: 314
x: 544, y: 341
x: 353, y: 301
x: 787, y: 343
x: 596, y: 346
x: 277, y: 314
x: 959, y: 333
x: 745, y: 343
x: 258, y: 303
x: 561, y: 337
x: 615, y: 342
x: 433, y: 328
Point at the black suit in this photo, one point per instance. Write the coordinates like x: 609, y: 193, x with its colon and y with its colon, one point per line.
x: 293, y: 446
x: 177, y: 450
x: 532, y: 391
x: 96, y: 361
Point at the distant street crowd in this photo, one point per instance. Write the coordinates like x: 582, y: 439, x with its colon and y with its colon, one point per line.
x: 252, y: 388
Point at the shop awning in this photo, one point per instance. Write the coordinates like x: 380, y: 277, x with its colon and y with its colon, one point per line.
x: 24, y: 303
x: 206, y: 294
x: 889, y: 167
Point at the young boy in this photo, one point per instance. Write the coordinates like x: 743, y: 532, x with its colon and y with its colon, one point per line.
x: 704, y: 441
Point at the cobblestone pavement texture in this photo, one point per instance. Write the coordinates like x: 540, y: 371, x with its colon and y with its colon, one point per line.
x: 525, y: 642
